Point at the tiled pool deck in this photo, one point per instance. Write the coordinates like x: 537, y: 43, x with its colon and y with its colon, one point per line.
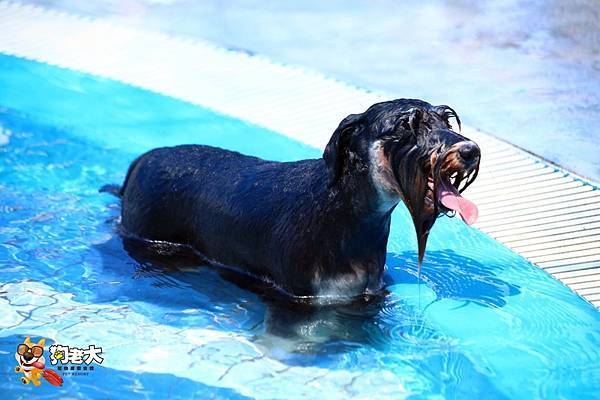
x: 544, y: 213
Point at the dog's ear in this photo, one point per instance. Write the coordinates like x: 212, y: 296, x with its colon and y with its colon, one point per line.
x: 336, y: 149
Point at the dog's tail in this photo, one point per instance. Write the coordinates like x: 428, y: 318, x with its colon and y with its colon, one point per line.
x: 117, y: 190
x: 112, y: 189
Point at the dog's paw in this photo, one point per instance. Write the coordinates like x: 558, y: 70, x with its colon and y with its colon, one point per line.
x: 24, y: 380
x: 18, y: 369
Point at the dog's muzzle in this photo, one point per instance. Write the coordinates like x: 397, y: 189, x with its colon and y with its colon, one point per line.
x: 469, y: 153
x: 456, y: 171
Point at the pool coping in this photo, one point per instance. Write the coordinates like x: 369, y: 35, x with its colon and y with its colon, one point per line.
x: 546, y: 214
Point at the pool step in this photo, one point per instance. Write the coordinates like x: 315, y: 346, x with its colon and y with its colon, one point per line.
x: 541, y: 211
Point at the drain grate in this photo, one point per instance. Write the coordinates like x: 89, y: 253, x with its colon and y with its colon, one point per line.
x: 542, y: 212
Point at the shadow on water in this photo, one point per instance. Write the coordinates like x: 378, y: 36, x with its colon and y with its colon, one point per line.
x: 175, y: 279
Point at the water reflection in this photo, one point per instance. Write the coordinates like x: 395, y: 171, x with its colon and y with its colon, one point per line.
x: 454, y: 276
x: 194, y: 293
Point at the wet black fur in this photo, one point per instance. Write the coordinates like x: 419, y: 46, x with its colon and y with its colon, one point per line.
x: 288, y: 222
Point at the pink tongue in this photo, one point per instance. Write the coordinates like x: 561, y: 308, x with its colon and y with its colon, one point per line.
x: 38, y: 365
x: 451, y: 199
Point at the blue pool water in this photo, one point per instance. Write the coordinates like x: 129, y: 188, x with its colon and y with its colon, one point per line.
x: 483, y: 324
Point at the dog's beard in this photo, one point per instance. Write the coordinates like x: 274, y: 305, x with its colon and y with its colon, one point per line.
x: 431, y: 186
x: 412, y: 176
x: 423, y: 210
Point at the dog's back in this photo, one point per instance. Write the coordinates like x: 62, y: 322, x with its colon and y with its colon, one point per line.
x: 230, y: 207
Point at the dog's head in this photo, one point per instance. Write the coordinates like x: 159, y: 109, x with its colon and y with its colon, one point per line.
x: 29, y: 353
x: 410, y: 152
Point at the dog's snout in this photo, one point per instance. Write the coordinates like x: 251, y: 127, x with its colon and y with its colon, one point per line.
x: 28, y: 356
x: 469, y: 152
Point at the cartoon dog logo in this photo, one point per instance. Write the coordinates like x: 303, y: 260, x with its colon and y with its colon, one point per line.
x: 32, y: 364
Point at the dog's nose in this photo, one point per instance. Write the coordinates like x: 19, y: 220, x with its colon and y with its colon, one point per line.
x: 469, y: 152
x: 28, y: 356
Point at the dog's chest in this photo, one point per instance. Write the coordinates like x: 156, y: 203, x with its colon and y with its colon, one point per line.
x: 382, y: 177
x: 341, y: 285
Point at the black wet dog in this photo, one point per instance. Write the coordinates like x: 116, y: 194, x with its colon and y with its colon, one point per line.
x: 313, y: 227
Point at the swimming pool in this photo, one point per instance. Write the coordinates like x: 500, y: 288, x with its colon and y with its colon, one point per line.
x: 485, y: 323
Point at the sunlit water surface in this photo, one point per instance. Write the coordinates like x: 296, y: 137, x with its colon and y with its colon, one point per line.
x: 484, y: 323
